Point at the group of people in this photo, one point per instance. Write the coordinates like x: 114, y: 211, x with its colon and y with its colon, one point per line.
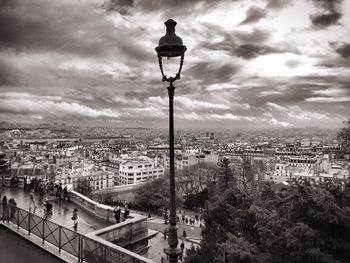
x: 8, y: 207
x: 196, y: 221
x: 48, y: 208
x: 118, y: 216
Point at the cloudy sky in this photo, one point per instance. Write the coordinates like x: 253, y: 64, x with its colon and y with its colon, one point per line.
x: 257, y: 63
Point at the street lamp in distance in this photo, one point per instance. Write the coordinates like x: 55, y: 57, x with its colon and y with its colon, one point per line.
x: 171, y: 46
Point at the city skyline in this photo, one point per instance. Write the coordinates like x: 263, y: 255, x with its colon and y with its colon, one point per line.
x: 266, y: 63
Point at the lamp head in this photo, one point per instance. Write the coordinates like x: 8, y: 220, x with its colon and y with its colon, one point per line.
x: 170, y: 45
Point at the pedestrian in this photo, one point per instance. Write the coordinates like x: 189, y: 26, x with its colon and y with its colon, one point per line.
x: 59, y: 192
x: 165, y: 233
x: 182, y: 247
x: 165, y: 215
x: 117, y: 212
x: 32, y: 201
x: 48, y: 207
x: 25, y: 183
x: 65, y: 193
x: 75, y: 218
x: 13, y: 206
x: 186, y: 220
x: 126, y: 212
x: 4, y: 206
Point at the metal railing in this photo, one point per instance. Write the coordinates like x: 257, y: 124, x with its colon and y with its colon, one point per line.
x: 85, y: 249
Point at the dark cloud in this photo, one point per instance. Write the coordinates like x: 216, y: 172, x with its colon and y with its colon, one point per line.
x: 123, y: 7
x: 327, y: 5
x: 257, y: 35
x: 210, y: 73
x: 151, y: 5
x: 344, y: 50
x: 7, y: 76
x: 246, y: 51
x: 76, y: 28
x: 243, y: 44
x: 249, y: 51
x: 328, y: 15
x: 169, y: 8
x: 277, y: 4
x: 254, y: 14
x: 325, y: 20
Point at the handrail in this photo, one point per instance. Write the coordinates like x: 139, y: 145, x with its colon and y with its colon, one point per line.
x: 85, y: 248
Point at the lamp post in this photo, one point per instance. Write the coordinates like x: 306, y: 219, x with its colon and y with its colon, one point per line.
x: 171, y: 46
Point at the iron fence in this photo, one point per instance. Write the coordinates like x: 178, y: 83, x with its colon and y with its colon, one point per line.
x: 85, y: 249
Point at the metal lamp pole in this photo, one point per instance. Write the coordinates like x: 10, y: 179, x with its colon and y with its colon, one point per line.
x: 171, y: 45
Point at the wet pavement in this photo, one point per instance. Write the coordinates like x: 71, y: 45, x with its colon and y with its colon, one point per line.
x: 158, y: 244
x: 87, y: 223
x: 61, y: 211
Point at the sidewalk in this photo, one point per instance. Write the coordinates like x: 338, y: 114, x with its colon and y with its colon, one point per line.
x: 156, y: 222
x: 191, y: 231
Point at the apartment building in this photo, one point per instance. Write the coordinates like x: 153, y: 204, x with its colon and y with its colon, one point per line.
x: 133, y: 170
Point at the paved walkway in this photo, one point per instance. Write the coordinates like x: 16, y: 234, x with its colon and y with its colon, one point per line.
x: 61, y: 211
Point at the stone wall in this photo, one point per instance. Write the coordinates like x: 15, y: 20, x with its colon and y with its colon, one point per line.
x: 131, y: 233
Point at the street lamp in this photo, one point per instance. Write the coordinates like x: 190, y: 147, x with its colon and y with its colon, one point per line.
x: 171, y: 46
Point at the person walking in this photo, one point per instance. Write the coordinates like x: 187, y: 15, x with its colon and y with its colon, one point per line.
x: 75, y: 218
x: 4, y: 206
x: 13, y: 206
x: 59, y: 192
x: 126, y: 212
x: 117, y: 212
x: 166, y: 232
x: 32, y: 201
x: 47, y: 208
x: 182, y: 247
x: 65, y: 193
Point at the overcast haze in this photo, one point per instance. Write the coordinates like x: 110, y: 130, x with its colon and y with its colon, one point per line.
x: 267, y: 63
